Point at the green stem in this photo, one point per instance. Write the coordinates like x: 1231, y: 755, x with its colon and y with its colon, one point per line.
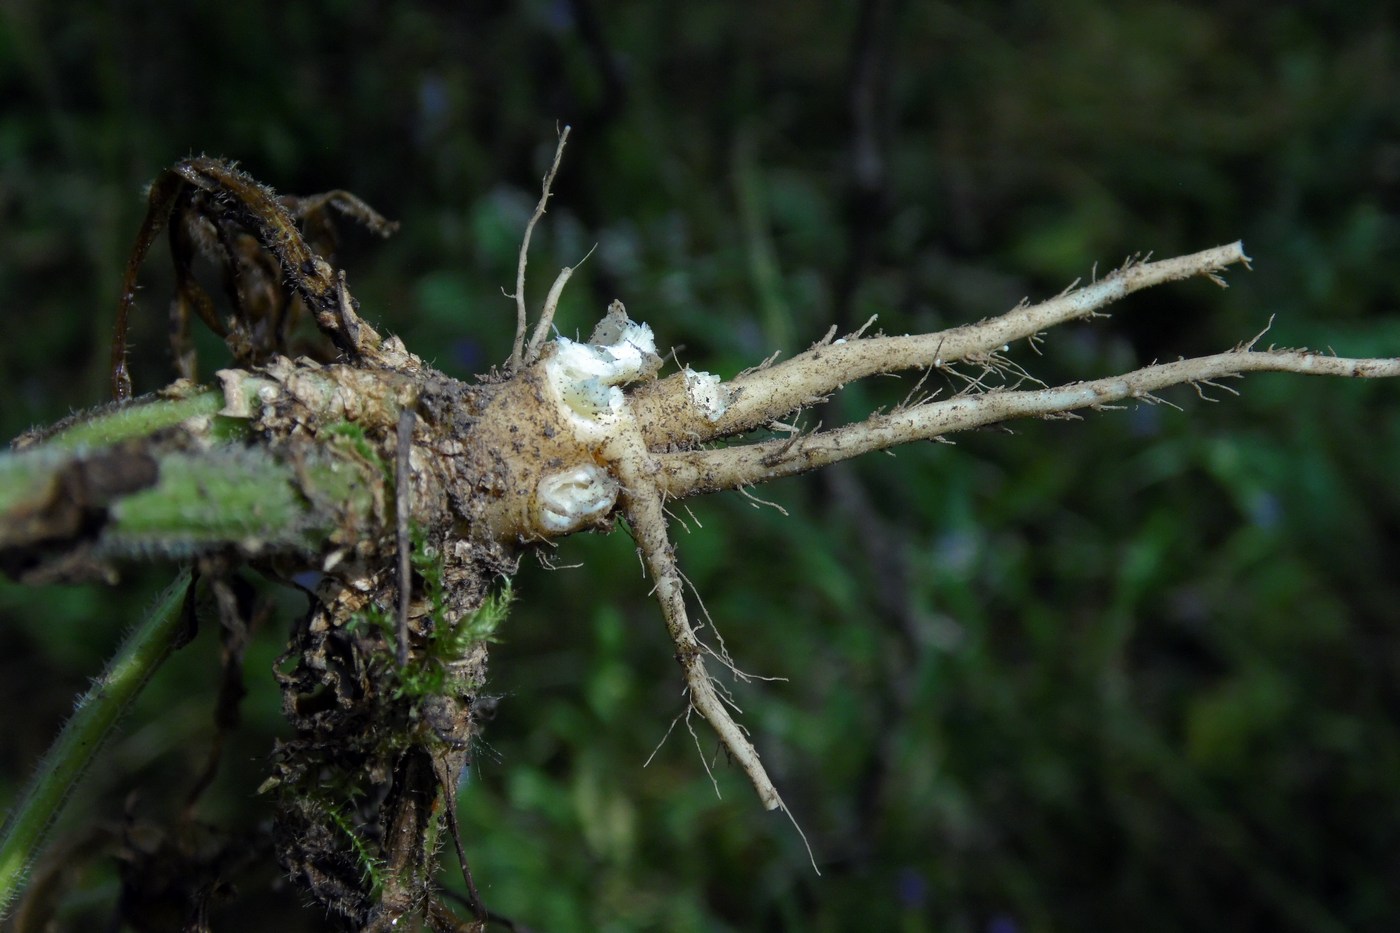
x: 143, y: 417
x: 239, y: 497
x: 185, y: 502
x: 144, y: 649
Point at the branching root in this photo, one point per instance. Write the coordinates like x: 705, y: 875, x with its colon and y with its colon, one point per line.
x: 687, y: 473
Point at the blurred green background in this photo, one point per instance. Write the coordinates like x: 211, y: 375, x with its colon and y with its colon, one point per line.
x: 1136, y: 672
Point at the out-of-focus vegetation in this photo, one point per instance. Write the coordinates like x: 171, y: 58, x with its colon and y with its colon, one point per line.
x: 1138, y: 672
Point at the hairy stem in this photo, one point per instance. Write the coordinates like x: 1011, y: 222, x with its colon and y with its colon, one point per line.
x: 138, y: 418
x: 98, y: 710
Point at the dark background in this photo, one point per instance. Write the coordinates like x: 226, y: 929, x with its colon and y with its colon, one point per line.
x: 1136, y: 672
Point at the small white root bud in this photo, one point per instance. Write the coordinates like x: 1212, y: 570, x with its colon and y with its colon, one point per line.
x: 574, y: 499
x: 707, y: 393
